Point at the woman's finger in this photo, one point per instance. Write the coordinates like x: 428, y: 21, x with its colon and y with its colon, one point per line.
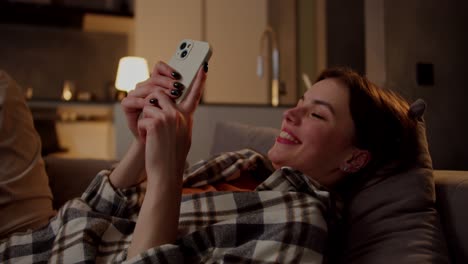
x: 141, y: 128
x: 153, y: 118
x: 162, y: 101
x: 190, y: 103
x: 164, y: 69
x: 172, y: 87
x: 133, y: 103
x: 166, y: 83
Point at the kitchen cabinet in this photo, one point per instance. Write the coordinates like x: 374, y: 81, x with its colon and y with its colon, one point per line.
x: 234, y: 29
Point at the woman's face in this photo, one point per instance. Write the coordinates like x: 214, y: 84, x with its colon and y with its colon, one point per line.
x: 316, y: 136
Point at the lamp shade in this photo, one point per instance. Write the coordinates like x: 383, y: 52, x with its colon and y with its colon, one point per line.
x: 131, y: 71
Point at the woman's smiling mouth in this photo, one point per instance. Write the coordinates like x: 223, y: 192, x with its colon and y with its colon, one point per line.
x: 286, y: 137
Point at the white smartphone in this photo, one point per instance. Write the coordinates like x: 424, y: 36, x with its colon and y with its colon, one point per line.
x: 187, y: 60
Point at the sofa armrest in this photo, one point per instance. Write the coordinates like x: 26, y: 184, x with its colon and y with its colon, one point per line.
x: 452, y: 201
x: 69, y: 178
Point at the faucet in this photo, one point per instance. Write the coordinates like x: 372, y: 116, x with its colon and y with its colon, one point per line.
x: 270, y: 35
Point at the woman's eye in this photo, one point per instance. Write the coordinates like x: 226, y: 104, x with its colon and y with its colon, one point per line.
x: 317, y: 116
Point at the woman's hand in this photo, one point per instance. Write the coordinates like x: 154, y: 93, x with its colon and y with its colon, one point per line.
x: 166, y: 133
x: 165, y: 126
x: 132, y: 168
x: 163, y: 77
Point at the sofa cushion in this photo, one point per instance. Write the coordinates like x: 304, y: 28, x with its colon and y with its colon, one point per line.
x: 392, y: 217
x: 452, y: 198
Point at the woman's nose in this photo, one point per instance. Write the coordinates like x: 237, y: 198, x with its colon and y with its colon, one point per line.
x: 293, y: 115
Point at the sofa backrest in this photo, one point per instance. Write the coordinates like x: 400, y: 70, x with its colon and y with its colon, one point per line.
x: 452, y: 204
x: 69, y: 178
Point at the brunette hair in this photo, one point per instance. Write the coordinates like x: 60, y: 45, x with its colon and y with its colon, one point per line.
x: 381, y: 120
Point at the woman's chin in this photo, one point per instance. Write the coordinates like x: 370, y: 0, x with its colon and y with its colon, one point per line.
x: 275, y: 158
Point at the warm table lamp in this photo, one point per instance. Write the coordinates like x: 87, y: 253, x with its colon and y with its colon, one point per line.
x: 131, y: 71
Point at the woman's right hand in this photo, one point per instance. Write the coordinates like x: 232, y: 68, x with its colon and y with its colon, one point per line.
x: 165, y: 127
x: 162, y: 77
x: 168, y: 125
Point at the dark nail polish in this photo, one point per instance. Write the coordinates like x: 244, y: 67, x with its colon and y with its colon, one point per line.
x: 176, y: 75
x: 153, y: 101
x: 175, y: 92
x: 205, y: 66
x: 178, y: 86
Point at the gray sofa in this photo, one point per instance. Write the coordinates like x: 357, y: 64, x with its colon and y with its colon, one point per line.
x: 69, y: 177
x: 452, y: 203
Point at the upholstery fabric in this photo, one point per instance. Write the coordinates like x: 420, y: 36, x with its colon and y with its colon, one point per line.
x: 232, y: 136
x: 452, y: 199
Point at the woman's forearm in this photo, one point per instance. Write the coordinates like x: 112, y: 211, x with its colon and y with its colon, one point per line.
x: 158, y: 220
x: 131, y: 169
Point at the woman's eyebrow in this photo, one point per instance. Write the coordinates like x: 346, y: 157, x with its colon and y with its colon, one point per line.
x: 326, y: 104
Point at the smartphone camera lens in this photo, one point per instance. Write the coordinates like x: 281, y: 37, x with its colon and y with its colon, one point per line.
x: 184, y: 53
x: 183, y: 45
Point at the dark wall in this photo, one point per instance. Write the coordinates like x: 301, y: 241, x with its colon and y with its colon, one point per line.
x: 345, y: 34
x: 44, y: 57
x: 433, y: 32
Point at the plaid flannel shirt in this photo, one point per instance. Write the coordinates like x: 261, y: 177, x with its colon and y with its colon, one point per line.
x: 283, y: 221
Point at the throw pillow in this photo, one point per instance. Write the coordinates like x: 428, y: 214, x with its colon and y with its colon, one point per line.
x: 392, y: 218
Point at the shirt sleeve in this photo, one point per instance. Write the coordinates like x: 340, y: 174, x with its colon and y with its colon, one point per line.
x: 168, y: 253
x: 102, y: 197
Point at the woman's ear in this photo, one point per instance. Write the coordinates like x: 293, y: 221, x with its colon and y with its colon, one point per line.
x: 358, y: 160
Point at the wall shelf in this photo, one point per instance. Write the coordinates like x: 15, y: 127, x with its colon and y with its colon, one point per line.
x: 56, y: 103
x: 73, y: 111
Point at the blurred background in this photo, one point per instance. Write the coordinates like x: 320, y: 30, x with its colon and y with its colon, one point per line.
x: 58, y: 47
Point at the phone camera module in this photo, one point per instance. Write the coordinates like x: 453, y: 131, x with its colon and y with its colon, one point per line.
x: 183, y: 45
x: 184, y: 53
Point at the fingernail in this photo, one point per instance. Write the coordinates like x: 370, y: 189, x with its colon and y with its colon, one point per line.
x: 176, y: 75
x: 175, y: 92
x: 178, y: 86
x: 153, y: 101
x: 205, y: 67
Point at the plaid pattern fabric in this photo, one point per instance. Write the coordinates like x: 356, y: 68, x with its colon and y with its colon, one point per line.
x: 283, y: 221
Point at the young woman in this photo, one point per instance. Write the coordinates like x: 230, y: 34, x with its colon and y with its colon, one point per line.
x: 252, y: 210
x: 342, y: 123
